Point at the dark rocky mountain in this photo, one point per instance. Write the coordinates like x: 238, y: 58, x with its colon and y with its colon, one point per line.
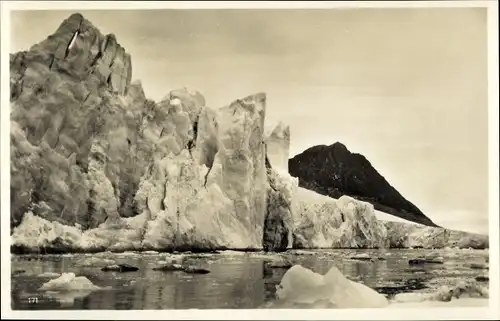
x: 335, y: 171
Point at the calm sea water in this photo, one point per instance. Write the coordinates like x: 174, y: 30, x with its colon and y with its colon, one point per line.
x: 237, y: 280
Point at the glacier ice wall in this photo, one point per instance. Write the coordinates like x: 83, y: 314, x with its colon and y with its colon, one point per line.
x: 97, y: 166
x: 325, y: 222
x: 404, y: 235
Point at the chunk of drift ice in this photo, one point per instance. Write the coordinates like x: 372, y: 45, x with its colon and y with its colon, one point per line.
x: 302, y: 286
x: 69, y: 282
x: 150, y: 252
x: 478, y: 266
x: 18, y: 272
x: 168, y: 267
x: 464, y: 289
x: 96, y: 261
x: 49, y: 275
x: 279, y: 263
x: 482, y: 278
x: 177, y: 267
x: 362, y: 257
x: 120, y: 268
x: 195, y: 270
x: 424, y: 261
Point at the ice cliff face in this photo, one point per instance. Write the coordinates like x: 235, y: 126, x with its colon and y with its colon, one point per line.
x: 329, y: 223
x: 403, y: 235
x: 101, y: 167
x: 91, y: 155
x: 208, y: 191
x: 96, y: 166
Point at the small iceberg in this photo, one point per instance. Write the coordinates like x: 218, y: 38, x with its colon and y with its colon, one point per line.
x: 69, y: 282
x: 305, y: 288
x: 68, y: 287
x: 96, y: 262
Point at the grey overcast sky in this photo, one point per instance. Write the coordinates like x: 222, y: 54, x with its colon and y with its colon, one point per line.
x: 407, y: 88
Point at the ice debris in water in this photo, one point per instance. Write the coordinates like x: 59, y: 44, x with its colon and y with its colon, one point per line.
x: 151, y: 252
x: 231, y: 252
x: 49, y: 275
x: 96, y: 261
x: 302, y: 286
x: 464, y: 289
x: 68, y: 287
x: 69, y: 282
x: 279, y: 262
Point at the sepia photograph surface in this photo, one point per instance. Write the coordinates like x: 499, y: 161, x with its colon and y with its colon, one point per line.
x: 265, y: 158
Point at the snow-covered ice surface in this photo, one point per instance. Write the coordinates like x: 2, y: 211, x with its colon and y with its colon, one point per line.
x: 247, y: 280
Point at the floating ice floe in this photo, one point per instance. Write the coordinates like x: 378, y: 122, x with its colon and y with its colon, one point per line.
x: 96, y: 261
x: 463, y: 289
x: 478, y: 266
x: 232, y: 253
x: 301, y: 286
x: 68, y: 287
x: 49, y: 275
x: 120, y: 268
x: 151, y: 252
x: 362, y: 257
x: 279, y: 263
